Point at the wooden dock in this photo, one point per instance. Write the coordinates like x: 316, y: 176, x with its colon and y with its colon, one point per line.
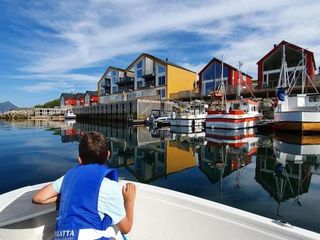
x: 132, y: 111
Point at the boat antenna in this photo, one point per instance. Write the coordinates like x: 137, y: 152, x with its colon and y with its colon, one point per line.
x: 239, y: 80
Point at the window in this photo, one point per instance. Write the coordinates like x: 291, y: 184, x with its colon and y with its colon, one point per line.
x: 208, y: 87
x: 113, y: 73
x: 315, y: 98
x: 139, y: 84
x: 139, y: 64
x: 139, y: 73
x: 114, y: 89
x: 161, y: 69
x: 162, y: 80
x: 162, y: 93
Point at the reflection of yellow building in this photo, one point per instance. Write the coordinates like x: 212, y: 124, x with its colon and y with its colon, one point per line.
x: 178, y: 159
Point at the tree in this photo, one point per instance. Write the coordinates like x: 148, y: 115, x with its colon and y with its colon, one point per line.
x: 51, y: 104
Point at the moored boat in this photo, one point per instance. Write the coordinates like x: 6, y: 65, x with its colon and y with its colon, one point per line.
x: 232, y: 114
x: 297, y: 112
x: 189, y: 114
x: 70, y: 114
x: 170, y: 215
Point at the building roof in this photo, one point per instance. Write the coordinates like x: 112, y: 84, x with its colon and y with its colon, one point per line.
x: 165, y: 62
x: 290, y: 45
x: 79, y: 95
x: 224, y: 63
x: 68, y: 95
x: 92, y: 93
x: 114, y: 68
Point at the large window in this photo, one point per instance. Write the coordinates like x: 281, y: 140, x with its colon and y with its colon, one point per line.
x: 139, y: 73
x: 161, y: 69
x: 139, y: 64
x: 162, y: 80
x: 139, y: 84
x: 163, y: 93
x: 208, y: 87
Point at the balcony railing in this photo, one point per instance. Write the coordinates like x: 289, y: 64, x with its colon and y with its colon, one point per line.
x: 125, y: 81
x: 149, y: 77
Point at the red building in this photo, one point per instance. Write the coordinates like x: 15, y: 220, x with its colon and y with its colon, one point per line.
x: 67, y: 100
x: 269, y: 66
x: 210, y: 77
x: 80, y: 99
x: 91, y: 98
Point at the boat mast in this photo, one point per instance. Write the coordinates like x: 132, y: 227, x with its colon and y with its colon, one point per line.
x: 239, y: 81
x: 304, y: 72
x: 284, y: 78
x: 224, y: 97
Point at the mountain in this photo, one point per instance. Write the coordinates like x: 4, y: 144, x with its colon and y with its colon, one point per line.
x: 6, y: 106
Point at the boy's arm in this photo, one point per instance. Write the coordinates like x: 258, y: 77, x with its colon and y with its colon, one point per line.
x: 129, y: 194
x: 45, y: 195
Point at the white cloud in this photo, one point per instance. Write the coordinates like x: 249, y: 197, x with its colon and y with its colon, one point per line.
x: 86, y: 34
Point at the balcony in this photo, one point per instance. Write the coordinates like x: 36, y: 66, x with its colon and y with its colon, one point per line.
x: 125, y: 81
x: 149, y: 77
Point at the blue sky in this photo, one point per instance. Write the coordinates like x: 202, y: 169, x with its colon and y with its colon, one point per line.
x: 49, y: 47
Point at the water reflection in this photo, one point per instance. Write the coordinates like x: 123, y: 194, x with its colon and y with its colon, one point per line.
x: 225, y: 152
x: 285, y: 166
x: 239, y: 168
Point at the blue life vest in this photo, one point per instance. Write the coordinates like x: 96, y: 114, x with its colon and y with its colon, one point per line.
x: 79, y: 201
x: 281, y: 93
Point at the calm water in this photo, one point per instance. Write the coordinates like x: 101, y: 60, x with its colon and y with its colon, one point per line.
x: 247, y: 175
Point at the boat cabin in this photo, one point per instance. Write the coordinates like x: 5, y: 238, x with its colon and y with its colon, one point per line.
x: 242, y: 106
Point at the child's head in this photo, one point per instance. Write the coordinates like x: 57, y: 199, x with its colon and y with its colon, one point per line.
x: 93, y: 148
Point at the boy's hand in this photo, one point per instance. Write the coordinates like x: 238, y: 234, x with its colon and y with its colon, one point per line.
x: 129, y: 192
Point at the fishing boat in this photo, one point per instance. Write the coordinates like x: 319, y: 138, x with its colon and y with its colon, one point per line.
x: 190, y: 114
x: 298, y: 112
x: 159, y: 118
x: 70, y: 114
x: 231, y: 114
x: 159, y: 214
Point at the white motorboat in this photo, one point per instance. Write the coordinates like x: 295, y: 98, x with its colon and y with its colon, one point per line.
x: 70, y: 115
x: 159, y: 118
x: 189, y: 114
x: 298, y: 112
x: 232, y: 114
x: 159, y: 214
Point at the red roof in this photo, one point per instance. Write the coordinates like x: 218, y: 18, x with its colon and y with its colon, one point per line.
x: 290, y: 45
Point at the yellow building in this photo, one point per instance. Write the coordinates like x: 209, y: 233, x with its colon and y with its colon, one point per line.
x: 146, y: 77
x: 159, y: 78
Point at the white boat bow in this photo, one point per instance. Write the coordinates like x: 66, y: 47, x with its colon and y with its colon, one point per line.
x: 159, y: 214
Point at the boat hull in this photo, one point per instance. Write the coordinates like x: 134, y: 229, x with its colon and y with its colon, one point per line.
x: 229, y: 121
x: 171, y: 215
x: 297, y: 121
x: 187, y: 122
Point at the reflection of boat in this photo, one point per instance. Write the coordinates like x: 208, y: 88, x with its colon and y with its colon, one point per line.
x: 231, y: 114
x: 240, y: 138
x: 286, y: 174
x: 186, y: 129
x: 189, y: 218
x: 297, y: 148
x: 70, y: 115
x: 227, y: 152
x: 189, y: 114
x: 300, y: 112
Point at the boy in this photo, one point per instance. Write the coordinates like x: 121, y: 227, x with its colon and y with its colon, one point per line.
x: 91, y: 199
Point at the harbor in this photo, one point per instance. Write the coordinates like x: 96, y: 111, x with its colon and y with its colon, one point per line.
x: 160, y: 120
x: 240, y: 172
